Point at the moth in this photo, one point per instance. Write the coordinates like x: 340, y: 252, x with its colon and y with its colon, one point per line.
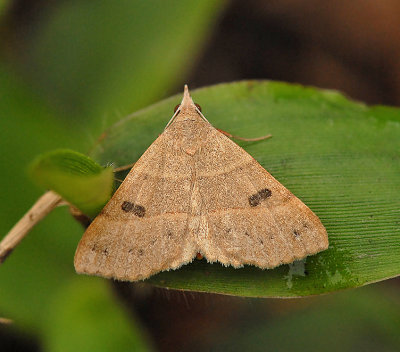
x: 196, y: 191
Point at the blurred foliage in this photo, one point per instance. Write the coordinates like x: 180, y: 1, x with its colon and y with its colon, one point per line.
x: 362, y: 320
x: 91, y: 58
x: 89, y: 319
x: 4, y: 5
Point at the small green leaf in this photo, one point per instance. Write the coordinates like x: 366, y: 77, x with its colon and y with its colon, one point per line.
x: 340, y: 157
x: 76, y: 177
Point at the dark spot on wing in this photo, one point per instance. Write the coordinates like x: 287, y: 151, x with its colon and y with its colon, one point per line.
x: 141, y: 251
x: 254, y: 200
x: 105, y: 251
x: 247, y: 234
x: 257, y: 198
x: 127, y: 206
x: 137, y: 210
x: 264, y: 193
x: 296, y: 233
x: 130, y: 251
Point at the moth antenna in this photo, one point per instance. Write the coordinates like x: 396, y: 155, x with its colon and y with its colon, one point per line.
x: 186, y: 102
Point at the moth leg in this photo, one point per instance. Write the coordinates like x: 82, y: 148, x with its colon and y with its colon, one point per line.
x: 123, y: 168
x: 245, y: 139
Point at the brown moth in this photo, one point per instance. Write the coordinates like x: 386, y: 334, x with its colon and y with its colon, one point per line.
x: 196, y: 191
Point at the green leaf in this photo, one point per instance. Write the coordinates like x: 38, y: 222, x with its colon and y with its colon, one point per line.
x: 76, y: 177
x: 340, y: 157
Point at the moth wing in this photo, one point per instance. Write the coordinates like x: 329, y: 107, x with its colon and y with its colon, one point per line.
x: 143, y: 228
x: 250, y: 217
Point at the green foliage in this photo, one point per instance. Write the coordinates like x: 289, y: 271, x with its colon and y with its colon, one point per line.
x: 4, y: 5
x: 27, y: 278
x: 338, y: 156
x: 77, y: 178
x: 93, y: 58
x: 80, y: 325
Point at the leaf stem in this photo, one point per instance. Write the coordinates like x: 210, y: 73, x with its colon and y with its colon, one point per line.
x: 43, y: 206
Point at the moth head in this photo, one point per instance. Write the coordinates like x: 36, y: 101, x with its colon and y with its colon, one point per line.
x: 177, y: 107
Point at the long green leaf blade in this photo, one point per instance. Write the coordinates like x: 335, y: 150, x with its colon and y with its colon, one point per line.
x: 340, y: 157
